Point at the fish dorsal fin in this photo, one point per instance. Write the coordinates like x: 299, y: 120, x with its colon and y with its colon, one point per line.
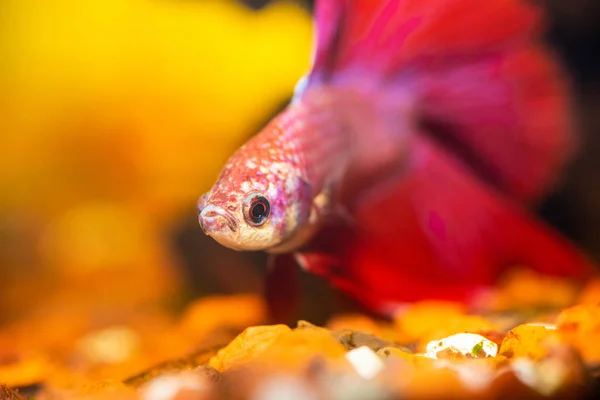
x: 382, y: 36
x: 485, y: 88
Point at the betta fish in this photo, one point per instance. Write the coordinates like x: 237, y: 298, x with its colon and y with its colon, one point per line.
x: 409, y: 159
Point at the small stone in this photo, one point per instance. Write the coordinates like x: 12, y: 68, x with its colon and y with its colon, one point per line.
x: 365, y: 362
x: 186, y: 384
x: 461, y: 345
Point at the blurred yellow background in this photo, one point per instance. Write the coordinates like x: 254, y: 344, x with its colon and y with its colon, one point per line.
x: 115, y: 116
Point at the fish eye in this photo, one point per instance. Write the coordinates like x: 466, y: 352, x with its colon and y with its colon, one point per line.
x: 256, y: 209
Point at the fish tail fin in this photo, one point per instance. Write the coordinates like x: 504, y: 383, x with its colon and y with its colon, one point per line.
x: 439, y: 234
x: 469, y: 229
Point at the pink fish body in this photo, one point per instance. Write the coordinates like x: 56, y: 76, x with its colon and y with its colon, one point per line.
x: 406, y: 163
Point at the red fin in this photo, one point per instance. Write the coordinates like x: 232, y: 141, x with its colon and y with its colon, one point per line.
x: 282, y: 289
x: 482, y: 83
x: 505, y: 115
x: 384, y: 35
x: 292, y: 294
x: 494, y: 134
x: 439, y: 233
x: 468, y: 226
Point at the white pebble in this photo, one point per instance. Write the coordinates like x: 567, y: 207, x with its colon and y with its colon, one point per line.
x: 166, y: 387
x: 365, y: 362
x: 463, y: 343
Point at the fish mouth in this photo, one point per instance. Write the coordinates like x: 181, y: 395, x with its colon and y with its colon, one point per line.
x: 215, y: 219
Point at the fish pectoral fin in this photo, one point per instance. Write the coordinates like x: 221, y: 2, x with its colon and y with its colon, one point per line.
x: 318, y: 263
x: 319, y: 208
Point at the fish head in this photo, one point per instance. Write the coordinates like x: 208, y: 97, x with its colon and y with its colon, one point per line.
x: 256, y: 203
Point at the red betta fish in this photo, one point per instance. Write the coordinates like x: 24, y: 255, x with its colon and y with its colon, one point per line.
x: 404, y: 167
